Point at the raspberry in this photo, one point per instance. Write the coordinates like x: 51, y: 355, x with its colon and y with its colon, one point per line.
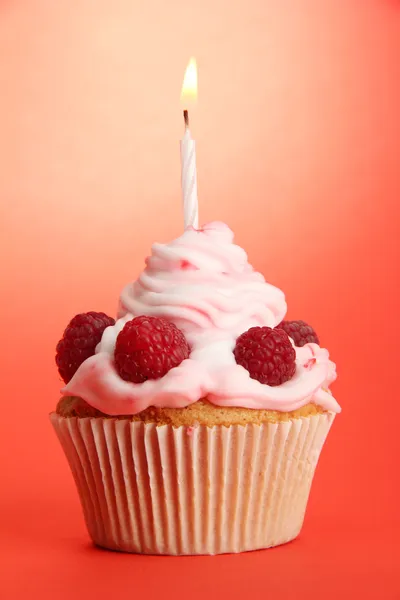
x: 267, y: 354
x: 300, y: 332
x: 147, y: 348
x: 79, y: 341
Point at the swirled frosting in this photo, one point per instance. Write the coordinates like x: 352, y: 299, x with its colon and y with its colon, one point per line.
x: 204, y: 284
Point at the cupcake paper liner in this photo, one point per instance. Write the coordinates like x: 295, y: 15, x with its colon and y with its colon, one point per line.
x: 192, y: 490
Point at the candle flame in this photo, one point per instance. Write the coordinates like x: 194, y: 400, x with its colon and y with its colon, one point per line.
x: 189, y: 86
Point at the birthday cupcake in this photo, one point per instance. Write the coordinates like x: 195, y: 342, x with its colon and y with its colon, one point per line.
x: 194, y: 422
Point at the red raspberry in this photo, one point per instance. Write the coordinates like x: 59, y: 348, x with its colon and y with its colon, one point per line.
x: 148, y: 347
x: 300, y: 332
x: 267, y: 354
x: 79, y: 341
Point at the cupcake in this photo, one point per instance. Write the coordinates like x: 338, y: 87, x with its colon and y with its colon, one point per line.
x: 193, y: 423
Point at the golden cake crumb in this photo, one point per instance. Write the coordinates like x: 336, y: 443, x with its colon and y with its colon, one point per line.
x: 199, y: 413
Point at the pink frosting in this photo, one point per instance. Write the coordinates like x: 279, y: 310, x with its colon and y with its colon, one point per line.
x: 203, y: 283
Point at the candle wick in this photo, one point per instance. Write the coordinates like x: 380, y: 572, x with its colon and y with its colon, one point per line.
x: 186, y: 118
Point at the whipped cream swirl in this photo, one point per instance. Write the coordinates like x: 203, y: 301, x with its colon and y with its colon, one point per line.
x: 204, y: 284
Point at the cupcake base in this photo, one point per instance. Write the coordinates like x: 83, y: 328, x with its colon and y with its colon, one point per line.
x: 192, y: 490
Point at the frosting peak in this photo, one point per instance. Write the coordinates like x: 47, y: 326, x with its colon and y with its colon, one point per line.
x: 203, y: 283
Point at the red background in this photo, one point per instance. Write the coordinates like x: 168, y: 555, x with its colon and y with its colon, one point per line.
x: 298, y: 136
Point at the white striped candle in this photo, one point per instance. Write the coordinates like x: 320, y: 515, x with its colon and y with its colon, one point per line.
x: 188, y: 151
x: 189, y: 179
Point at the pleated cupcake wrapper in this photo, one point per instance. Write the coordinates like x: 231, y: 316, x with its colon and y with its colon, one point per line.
x: 185, y: 490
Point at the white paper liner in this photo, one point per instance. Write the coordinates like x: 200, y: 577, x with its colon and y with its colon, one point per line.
x: 165, y: 490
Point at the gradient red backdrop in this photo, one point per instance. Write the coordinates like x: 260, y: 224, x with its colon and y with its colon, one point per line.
x: 298, y: 137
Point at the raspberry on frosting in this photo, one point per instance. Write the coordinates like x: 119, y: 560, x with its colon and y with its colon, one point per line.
x: 300, y: 332
x: 147, y: 348
x: 267, y: 354
x: 79, y: 341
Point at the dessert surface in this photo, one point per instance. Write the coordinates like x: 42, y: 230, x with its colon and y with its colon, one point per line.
x: 201, y: 284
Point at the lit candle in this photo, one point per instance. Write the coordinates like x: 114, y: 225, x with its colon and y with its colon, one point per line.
x: 188, y: 150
